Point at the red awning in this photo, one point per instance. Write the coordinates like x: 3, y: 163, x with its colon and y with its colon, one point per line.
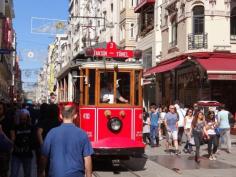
x: 143, y: 3
x: 163, y: 67
x: 219, y: 68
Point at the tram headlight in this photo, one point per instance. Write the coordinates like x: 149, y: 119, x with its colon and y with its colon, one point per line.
x: 115, y: 124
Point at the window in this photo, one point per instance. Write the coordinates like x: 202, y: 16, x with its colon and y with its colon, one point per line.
x: 123, y: 86
x: 114, y: 92
x: 121, y: 35
x: 91, y: 83
x: 233, y: 24
x: 111, y: 7
x: 99, y: 23
x: 137, y: 87
x: 132, y: 3
x: 174, y: 26
x: 146, y: 20
x: 131, y: 30
x: 107, y: 87
x: 198, y: 20
x: 122, y: 4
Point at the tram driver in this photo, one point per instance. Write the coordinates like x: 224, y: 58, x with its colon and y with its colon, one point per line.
x: 107, y: 94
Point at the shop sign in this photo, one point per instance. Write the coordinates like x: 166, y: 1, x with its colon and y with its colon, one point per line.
x: 222, y: 76
x: 5, y: 51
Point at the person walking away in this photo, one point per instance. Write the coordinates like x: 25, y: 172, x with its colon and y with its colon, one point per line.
x: 22, y: 136
x: 187, y: 130
x: 154, y: 116
x: 181, y: 113
x: 223, y: 123
x: 5, y: 123
x: 171, y: 124
x: 74, y: 141
x: 211, y: 125
x: 146, y: 127
x: 198, y: 131
x: 5, y: 146
x: 48, y: 122
x: 5, y: 143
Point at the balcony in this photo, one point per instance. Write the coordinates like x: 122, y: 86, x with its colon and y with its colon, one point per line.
x: 146, y: 29
x: 197, y: 41
x: 142, y: 4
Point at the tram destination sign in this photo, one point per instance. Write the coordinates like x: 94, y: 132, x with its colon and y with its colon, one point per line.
x: 110, y: 51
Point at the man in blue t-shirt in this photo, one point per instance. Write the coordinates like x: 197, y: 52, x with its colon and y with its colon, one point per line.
x: 68, y: 148
x: 171, y: 124
x: 154, y: 117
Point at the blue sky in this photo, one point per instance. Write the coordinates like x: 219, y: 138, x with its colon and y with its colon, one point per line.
x: 35, y: 43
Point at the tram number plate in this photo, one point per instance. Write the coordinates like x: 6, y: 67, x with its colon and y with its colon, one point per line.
x: 86, y: 115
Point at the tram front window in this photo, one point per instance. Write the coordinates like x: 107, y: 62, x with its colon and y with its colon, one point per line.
x: 107, y: 92
x: 123, y: 86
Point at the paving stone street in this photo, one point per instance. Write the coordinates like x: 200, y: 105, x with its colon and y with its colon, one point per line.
x: 161, y: 164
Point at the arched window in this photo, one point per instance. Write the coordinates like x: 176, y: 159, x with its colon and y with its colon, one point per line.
x: 233, y: 23
x: 198, y: 20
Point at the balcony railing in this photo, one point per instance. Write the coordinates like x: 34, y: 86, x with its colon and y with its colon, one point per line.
x: 197, y: 41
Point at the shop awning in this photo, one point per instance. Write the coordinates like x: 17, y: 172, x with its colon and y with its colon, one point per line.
x: 219, y: 68
x: 163, y: 67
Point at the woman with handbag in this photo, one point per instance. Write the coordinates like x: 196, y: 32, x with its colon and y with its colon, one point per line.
x: 211, y: 125
x: 198, y: 131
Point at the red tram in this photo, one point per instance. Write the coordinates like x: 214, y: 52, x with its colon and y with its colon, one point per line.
x: 109, y: 93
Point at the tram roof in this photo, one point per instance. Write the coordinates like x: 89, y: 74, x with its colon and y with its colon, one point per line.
x: 101, y: 64
x: 109, y: 65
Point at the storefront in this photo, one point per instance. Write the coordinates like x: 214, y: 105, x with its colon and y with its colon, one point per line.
x: 197, y: 76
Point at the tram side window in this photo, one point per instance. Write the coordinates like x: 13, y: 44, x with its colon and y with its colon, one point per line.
x: 107, y: 87
x: 123, y: 87
x: 77, y: 91
x: 136, y: 88
x: 92, y: 87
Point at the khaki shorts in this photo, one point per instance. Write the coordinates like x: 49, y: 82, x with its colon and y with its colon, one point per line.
x: 172, y: 135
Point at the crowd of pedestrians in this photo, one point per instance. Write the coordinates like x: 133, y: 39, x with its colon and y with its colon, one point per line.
x: 211, y: 127
x: 50, y: 132
x: 25, y: 129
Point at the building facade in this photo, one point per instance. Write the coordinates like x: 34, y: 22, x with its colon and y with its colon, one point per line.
x: 7, y: 50
x: 128, y: 25
x: 198, y: 52
x: 149, y: 41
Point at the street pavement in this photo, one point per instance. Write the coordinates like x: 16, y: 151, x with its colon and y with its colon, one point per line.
x: 161, y: 164
x: 158, y: 163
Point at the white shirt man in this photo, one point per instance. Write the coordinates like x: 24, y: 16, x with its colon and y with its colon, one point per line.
x: 107, y: 95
